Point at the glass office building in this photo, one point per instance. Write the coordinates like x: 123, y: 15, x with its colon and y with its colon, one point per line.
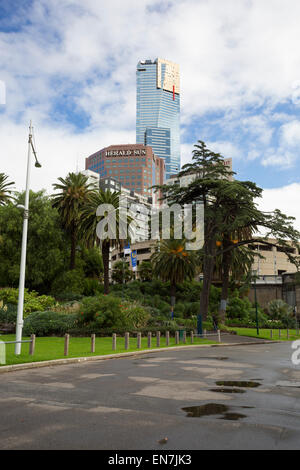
x: 158, y: 110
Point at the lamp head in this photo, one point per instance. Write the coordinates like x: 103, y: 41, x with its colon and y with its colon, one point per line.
x: 37, y: 164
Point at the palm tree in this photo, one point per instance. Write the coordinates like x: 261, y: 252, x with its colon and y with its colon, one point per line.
x: 89, y: 222
x: 5, y: 191
x: 75, y: 192
x: 173, y: 263
x: 145, y: 271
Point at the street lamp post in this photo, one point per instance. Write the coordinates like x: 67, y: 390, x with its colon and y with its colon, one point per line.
x: 255, y: 299
x: 19, y: 324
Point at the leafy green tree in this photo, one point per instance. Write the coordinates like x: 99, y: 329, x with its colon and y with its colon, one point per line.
x: 74, y: 194
x: 173, y: 263
x: 5, y: 189
x: 229, y: 209
x: 47, y: 244
x: 210, y: 175
x: 145, y: 271
x: 121, y: 272
x: 92, y: 262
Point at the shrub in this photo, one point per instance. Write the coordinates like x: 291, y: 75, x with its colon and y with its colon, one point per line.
x: 92, y: 287
x: 8, y: 313
x: 136, y: 315
x: 281, y: 311
x: 32, y: 301
x: 103, y: 309
x: 111, y: 312
x: 49, y: 323
x: 238, y: 308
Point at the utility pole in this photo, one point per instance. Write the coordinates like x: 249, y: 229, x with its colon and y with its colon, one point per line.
x: 19, y: 324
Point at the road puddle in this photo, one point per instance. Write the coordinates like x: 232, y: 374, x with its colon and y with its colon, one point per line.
x: 227, y: 390
x: 213, y: 409
x: 236, y: 383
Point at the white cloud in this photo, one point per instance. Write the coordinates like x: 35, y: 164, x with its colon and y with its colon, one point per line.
x: 291, y: 134
x: 85, y: 54
x: 226, y: 149
x: 280, y: 158
x: 285, y: 199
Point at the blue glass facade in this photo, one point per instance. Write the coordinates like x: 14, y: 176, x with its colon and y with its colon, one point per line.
x: 158, y: 113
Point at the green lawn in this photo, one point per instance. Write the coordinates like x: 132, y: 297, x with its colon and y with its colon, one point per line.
x: 53, y: 347
x: 264, y: 333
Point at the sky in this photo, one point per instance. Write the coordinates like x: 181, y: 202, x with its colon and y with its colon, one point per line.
x: 70, y: 66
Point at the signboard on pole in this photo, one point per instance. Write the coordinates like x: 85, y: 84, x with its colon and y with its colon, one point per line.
x: 134, y: 260
x: 127, y: 249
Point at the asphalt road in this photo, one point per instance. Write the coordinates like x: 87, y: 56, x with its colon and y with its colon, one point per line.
x: 136, y: 403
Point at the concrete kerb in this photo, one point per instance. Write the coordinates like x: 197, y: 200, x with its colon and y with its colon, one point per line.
x: 75, y: 360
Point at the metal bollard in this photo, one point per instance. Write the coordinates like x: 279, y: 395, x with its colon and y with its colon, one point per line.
x: 67, y: 342
x: 279, y: 333
x: 204, y: 333
x: 32, y: 345
x: 176, y: 337
x: 126, y: 340
x: 139, y: 340
x: 271, y: 334
x: 167, y: 338
x: 114, y: 341
x: 219, y: 336
x: 192, y: 337
x: 184, y: 337
x: 287, y: 333
x: 149, y: 339
x: 93, y: 342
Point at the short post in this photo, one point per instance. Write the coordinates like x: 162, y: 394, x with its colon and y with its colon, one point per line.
x: 204, y: 333
x: 287, y: 333
x: 271, y: 334
x: 114, y: 341
x: 279, y: 333
x: 158, y: 339
x: 167, y: 338
x: 192, y: 337
x: 149, y: 339
x: 219, y: 336
x: 139, y: 340
x: 32, y: 345
x: 176, y: 337
x: 67, y: 341
x: 126, y: 340
x: 184, y: 336
x: 93, y: 342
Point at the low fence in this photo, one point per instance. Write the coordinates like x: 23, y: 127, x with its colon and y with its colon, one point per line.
x: 153, y: 340
x: 281, y: 333
x: 180, y: 337
x: 31, y: 342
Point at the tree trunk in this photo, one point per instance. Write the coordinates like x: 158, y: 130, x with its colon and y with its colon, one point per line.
x: 225, y: 285
x: 173, y: 298
x: 208, y: 269
x: 105, y: 257
x: 73, y: 249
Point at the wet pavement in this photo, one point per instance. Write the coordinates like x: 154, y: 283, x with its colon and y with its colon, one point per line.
x: 198, y: 398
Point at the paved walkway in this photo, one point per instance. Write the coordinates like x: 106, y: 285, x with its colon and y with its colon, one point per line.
x: 232, y: 339
x: 137, y: 402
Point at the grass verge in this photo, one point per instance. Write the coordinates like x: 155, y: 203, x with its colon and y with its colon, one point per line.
x: 265, y: 333
x: 49, y: 348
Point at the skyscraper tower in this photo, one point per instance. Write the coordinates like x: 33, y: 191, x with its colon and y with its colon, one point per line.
x: 158, y: 110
